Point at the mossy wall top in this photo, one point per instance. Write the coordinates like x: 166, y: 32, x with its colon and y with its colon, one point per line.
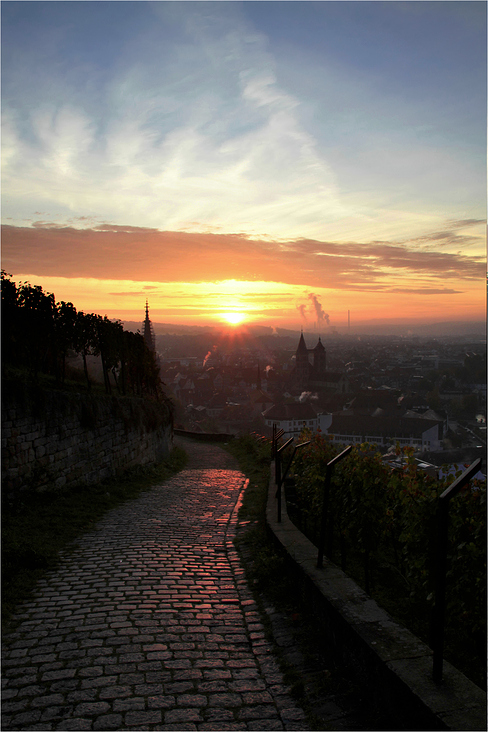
x: 52, y: 439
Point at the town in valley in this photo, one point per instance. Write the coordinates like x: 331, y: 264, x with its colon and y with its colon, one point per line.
x: 386, y: 390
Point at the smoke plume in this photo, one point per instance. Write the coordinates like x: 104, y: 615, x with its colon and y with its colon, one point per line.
x: 302, y: 311
x: 209, y: 354
x: 321, y: 316
x: 306, y: 396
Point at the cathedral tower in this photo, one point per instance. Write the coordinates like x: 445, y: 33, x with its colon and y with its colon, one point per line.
x: 319, y: 359
x: 302, y: 363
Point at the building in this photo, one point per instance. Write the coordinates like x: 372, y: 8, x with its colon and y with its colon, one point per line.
x: 292, y: 418
x: 310, y: 372
x: 422, y: 434
x: 259, y: 402
x: 216, y: 405
x: 310, y: 363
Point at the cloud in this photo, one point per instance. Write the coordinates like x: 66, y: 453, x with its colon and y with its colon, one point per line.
x: 425, y: 291
x: 190, y: 119
x: 145, y: 254
x: 127, y: 294
x: 200, y: 133
x: 124, y: 229
x: 50, y: 225
x: 463, y: 223
x: 190, y: 134
x: 448, y: 238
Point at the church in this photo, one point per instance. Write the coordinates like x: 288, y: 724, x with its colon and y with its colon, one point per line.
x: 311, y: 374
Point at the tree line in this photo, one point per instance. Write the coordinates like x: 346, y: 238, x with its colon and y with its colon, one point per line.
x: 39, y: 333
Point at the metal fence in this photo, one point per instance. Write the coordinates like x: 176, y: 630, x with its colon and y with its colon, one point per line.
x: 439, y: 609
x: 438, y: 619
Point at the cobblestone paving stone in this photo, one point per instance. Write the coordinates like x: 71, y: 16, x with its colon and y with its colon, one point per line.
x: 148, y: 624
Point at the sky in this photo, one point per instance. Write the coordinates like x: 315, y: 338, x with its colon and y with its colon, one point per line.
x: 284, y: 162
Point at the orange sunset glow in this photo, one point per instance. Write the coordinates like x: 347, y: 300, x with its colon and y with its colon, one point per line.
x: 234, y: 318
x: 278, y: 304
x: 244, y: 163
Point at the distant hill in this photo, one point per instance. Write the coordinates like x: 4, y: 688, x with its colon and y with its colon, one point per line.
x: 449, y: 328
x: 174, y: 329
x: 372, y: 327
x: 169, y: 328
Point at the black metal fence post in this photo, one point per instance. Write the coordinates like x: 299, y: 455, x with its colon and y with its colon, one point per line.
x: 325, y: 502
x: 277, y: 434
x: 280, y: 479
x: 439, y: 609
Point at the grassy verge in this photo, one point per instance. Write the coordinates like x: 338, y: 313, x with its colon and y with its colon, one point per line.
x: 38, y: 525
x: 265, y: 567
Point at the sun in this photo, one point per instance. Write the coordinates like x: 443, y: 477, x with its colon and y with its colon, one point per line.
x: 234, y: 318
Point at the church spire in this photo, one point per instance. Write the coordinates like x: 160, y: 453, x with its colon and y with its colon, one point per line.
x: 319, y: 357
x: 302, y: 347
x: 148, y: 331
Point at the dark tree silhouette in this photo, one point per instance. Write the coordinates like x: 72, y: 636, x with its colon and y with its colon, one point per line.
x: 65, y: 330
x: 38, y: 333
x: 86, y: 340
x: 36, y: 326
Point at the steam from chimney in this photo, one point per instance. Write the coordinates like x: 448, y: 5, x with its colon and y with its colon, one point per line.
x: 306, y: 396
x: 321, y: 316
x: 209, y: 354
x: 313, y: 308
x: 302, y: 311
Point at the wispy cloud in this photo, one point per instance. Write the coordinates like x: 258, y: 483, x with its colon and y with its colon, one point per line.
x: 464, y: 223
x: 449, y: 238
x: 425, y: 291
x: 204, y: 137
x: 193, y: 122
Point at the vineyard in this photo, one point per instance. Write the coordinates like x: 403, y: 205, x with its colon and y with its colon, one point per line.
x: 381, y: 530
x: 38, y: 335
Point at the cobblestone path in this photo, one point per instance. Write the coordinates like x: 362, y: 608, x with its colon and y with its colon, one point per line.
x: 149, y: 624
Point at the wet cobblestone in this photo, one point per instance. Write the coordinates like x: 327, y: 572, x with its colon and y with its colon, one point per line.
x: 148, y: 623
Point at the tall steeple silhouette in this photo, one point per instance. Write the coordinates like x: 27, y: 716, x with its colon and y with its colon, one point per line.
x: 149, y: 331
x: 319, y: 358
x: 302, y: 364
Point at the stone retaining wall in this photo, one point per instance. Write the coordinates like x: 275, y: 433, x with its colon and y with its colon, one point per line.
x: 54, y: 439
